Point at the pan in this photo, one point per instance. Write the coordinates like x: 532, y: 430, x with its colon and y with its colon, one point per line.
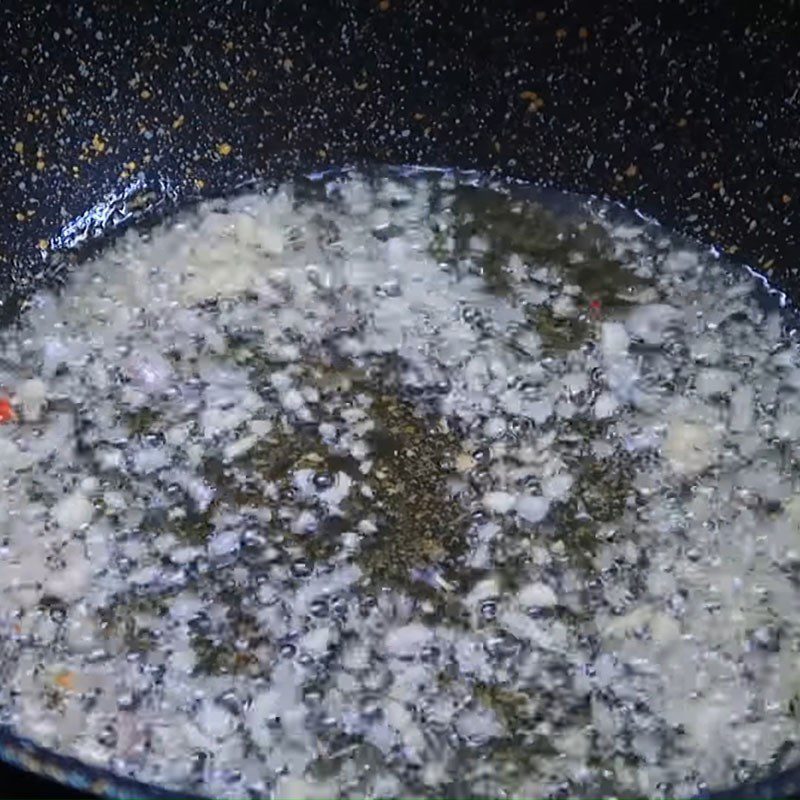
x: 121, y: 114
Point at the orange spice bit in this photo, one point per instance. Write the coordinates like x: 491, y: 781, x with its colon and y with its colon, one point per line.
x: 583, y: 32
x: 541, y: 16
x: 7, y: 413
x: 65, y: 680
x: 384, y: 5
x: 243, y: 659
x: 632, y: 171
x: 535, y: 103
x: 561, y: 34
x: 224, y: 149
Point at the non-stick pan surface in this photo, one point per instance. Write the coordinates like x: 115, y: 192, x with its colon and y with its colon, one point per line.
x: 111, y: 112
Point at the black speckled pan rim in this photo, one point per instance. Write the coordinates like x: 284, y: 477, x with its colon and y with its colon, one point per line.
x: 24, y: 754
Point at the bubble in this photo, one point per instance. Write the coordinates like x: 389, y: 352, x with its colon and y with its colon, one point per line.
x: 300, y: 568
x: 319, y: 607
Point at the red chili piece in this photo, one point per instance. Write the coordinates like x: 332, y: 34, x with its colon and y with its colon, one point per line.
x: 7, y: 413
